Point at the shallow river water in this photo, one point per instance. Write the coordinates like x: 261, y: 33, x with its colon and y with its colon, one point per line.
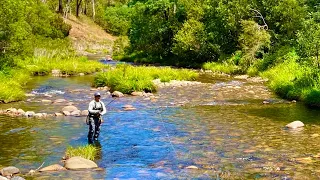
x: 221, y: 127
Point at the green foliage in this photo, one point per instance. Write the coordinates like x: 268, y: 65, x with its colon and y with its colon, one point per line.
x: 120, y: 45
x: 252, y: 40
x: 221, y: 67
x: 117, y: 20
x: 87, y: 152
x: 127, y: 78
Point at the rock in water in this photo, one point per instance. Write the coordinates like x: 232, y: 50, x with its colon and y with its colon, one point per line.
x: 76, y: 113
x: 7, y: 171
x: 117, y: 94
x: 66, y: 113
x: 70, y: 108
x: 137, y: 93
x: 84, y: 113
x: 55, y: 167
x: 75, y: 163
x: 295, y: 124
x: 192, y: 167
x: 29, y: 113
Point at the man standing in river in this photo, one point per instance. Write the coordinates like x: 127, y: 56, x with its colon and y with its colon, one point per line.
x: 96, y: 110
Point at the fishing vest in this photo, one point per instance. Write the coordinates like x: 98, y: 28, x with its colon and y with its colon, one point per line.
x: 95, y: 108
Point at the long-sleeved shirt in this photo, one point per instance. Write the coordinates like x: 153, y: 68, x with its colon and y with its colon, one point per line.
x: 93, y: 105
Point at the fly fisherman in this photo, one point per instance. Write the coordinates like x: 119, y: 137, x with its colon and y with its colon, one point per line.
x: 96, y: 110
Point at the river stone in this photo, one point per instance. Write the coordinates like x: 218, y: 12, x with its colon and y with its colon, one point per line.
x: 129, y: 109
x: 242, y: 77
x: 17, y: 178
x: 29, y: 114
x: 55, y: 167
x: 192, y: 167
x: 66, y: 113
x: 8, y: 171
x: 84, y: 113
x: 46, y: 101
x: 3, y: 178
x: 81, y: 74
x: 56, y: 72
x: 137, y: 93
x: 117, y: 94
x: 30, y: 95
x: 127, y: 106
x: 295, y: 124
x: 38, y: 115
x: 76, y: 113
x: 75, y: 163
x: 20, y: 111
x: 58, y: 114
x: 12, y: 110
x: 60, y: 101
x: 70, y: 108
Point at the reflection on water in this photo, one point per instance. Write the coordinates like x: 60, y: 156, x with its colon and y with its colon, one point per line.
x: 221, y: 128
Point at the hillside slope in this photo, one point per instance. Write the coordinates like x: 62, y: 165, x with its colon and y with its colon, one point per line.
x: 89, y: 38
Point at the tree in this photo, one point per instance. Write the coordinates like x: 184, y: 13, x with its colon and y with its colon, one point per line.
x: 60, y: 7
x: 78, y: 5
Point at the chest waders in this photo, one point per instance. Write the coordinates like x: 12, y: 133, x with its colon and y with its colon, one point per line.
x: 94, y: 122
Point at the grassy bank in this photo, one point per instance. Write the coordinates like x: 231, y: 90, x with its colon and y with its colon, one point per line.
x: 290, y: 77
x: 126, y: 78
x: 49, y: 54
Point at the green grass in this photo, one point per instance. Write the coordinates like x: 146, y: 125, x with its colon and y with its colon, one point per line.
x: 49, y: 55
x: 87, y: 152
x: 127, y: 78
x: 216, y: 67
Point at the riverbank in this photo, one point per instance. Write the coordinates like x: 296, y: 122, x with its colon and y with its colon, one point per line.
x: 287, y: 76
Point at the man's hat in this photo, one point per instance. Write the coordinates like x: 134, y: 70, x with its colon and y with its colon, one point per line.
x: 97, y: 94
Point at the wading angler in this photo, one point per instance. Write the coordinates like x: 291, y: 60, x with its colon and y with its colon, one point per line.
x: 96, y: 110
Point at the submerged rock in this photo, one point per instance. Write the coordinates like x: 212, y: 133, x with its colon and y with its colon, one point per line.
x: 59, y: 101
x: 75, y: 163
x: 295, y: 124
x: 55, y: 167
x: 70, y: 108
x: 8, y: 171
x: 117, y: 94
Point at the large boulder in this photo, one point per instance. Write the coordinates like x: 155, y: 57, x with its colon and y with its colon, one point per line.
x: 38, y: 115
x: 21, y: 112
x: 75, y: 163
x: 55, y: 167
x: 58, y: 114
x: 56, y: 72
x: 295, y: 124
x: 12, y: 110
x: 8, y: 171
x: 70, y: 108
x: 117, y: 94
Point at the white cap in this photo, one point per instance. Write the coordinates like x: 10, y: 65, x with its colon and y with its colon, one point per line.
x: 97, y: 94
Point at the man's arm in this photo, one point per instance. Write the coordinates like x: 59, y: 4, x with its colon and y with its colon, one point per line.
x: 104, y: 110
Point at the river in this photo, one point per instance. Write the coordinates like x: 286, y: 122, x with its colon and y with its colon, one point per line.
x: 221, y: 127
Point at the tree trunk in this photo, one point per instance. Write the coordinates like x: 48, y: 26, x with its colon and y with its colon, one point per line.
x: 93, y: 10
x: 85, y: 7
x: 78, y: 7
x: 60, y: 7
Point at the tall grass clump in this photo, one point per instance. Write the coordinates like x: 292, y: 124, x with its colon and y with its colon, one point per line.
x: 127, y: 78
x: 11, y: 83
x: 293, y: 80
x: 224, y: 67
x: 87, y: 152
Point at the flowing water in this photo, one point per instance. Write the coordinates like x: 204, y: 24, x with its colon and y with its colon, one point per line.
x: 221, y: 127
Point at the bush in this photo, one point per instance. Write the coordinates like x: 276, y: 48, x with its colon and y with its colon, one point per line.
x: 87, y: 152
x: 126, y: 78
x: 222, y: 67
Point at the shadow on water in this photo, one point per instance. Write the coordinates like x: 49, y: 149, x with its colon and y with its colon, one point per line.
x: 225, y: 134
